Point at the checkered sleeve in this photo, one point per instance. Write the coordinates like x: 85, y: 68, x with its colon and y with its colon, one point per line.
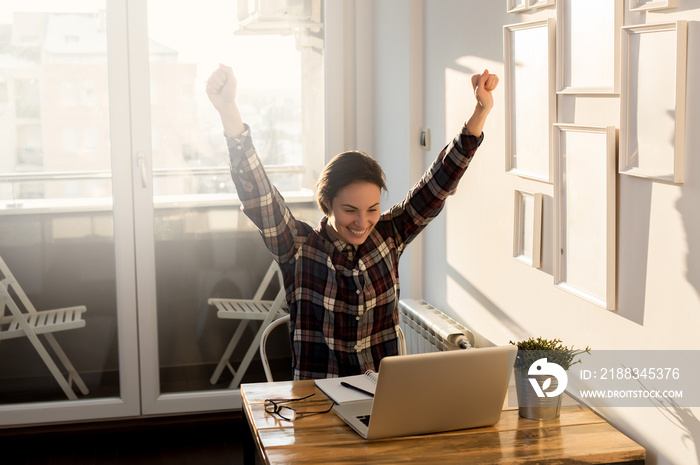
x: 427, y: 197
x: 261, y: 202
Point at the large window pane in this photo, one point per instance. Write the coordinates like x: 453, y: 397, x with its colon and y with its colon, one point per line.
x: 204, y: 246
x: 56, y: 221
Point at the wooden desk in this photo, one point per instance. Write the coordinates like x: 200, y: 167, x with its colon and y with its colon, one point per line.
x: 579, y: 436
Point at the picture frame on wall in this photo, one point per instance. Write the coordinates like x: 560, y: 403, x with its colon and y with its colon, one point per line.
x: 588, y: 43
x: 585, y: 212
x: 513, y: 6
x: 532, y: 4
x: 527, y: 228
x: 647, y: 5
x: 530, y: 98
x: 653, y: 103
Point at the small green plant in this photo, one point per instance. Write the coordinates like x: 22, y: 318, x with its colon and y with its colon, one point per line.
x: 533, y: 349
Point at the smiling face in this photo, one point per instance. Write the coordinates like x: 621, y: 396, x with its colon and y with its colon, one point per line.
x: 354, y: 212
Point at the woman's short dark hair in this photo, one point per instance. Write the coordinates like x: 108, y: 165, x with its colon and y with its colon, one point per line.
x: 344, y: 169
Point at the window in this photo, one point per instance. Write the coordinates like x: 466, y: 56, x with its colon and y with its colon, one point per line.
x: 29, y: 152
x: 88, y: 96
x: 90, y: 142
x: 27, y: 99
x: 279, y: 82
x: 70, y: 140
x: 68, y: 94
x: 69, y: 130
x: 59, y: 87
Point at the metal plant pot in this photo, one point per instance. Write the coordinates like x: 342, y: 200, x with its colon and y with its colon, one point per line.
x: 529, y: 404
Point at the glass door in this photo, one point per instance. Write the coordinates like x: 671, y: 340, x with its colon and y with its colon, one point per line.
x: 66, y: 225
x: 196, y: 242
x: 115, y: 196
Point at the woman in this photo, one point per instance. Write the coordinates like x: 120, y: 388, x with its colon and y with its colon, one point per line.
x: 341, y: 278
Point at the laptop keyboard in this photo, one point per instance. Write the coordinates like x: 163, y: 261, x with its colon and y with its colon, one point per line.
x: 364, y: 419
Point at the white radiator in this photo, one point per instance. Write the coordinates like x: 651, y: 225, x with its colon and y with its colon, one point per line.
x: 427, y: 329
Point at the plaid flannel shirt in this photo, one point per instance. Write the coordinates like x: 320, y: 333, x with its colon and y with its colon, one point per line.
x: 343, y: 300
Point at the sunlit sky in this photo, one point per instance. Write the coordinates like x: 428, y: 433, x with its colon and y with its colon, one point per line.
x: 202, y: 32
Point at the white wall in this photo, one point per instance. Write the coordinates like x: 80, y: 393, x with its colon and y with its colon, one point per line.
x: 469, y: 270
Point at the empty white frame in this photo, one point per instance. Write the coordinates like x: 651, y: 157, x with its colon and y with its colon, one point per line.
x: 539, y: 3
x: 513, y: 6
x: 530, y: 98
x: 585, y: 213
x: 588, y: 46
x: 644, y: 5
x: 527, y: 228
x: 653, y: 100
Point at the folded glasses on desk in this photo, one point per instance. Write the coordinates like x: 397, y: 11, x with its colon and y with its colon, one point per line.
x: 283, y: 410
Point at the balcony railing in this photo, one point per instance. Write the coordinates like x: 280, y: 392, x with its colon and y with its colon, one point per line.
x: 205, y: 199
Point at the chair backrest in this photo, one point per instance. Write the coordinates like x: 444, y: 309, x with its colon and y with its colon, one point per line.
x: 10, y: 285
x: 272, y: 271
x: 263, y: 345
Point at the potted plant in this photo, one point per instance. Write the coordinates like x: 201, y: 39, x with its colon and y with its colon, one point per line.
x: 540, y: 375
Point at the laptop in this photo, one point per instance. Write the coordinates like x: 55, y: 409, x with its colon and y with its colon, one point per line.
x: 433, y: 392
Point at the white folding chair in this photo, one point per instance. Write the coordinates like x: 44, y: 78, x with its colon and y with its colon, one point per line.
x: 285, y: 319
x: 23, y: 320
x: 263, y: 345
x: 247, y: 310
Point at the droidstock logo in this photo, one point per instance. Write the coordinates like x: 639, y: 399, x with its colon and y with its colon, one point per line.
x: 543, y: 367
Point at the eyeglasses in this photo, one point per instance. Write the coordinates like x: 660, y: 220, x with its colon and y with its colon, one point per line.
x: 278, y: 407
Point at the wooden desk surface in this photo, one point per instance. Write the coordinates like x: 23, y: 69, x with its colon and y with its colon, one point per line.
x: 578, y: 435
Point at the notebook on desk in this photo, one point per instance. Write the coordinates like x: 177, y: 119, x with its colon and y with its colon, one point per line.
x: 433, y: 392
x: 349, y: 388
